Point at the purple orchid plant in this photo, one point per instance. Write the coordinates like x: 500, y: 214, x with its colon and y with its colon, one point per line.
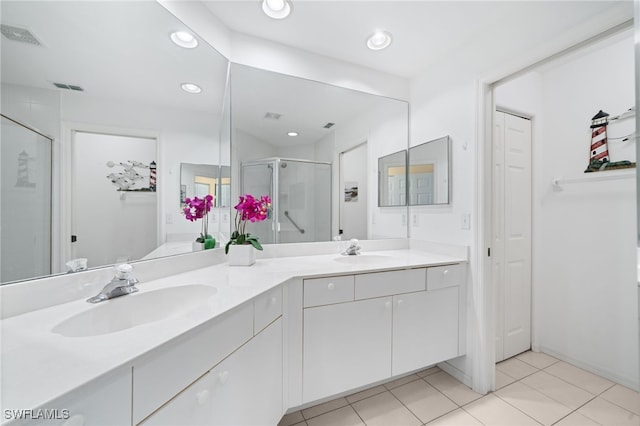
x: 199, y: 208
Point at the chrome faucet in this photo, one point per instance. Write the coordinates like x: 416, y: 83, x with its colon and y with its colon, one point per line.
x: 353, y: 249
x: 122, y: 283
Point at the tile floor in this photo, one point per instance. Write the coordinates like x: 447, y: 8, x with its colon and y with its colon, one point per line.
x: 532, y: 389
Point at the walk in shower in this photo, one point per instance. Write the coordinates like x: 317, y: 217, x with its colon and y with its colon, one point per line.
x: 300, y: 191
x: 25, y: 229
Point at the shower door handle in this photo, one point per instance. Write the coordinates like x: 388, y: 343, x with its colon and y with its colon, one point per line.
x: 286, y: 213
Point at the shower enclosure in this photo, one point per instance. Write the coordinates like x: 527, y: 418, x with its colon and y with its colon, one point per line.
x: 25, y: 156
x: 300, y: 191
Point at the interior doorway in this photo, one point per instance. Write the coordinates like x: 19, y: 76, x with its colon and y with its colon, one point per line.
x: 353, y: 193
x: 511, y: 247
x: 114, y: 199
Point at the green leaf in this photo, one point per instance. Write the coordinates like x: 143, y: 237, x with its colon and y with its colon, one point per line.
x: 226, y: 247
x: 254, y: 242
x: 241, y: 239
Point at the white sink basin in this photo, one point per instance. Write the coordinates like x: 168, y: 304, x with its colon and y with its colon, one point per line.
x: 135, y: 309
x: 362, y: 259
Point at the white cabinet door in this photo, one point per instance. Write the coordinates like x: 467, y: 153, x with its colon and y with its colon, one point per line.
x: 425, y: 329
x: 244, y: 389
x: 103, y: 402
x: 346, y: 345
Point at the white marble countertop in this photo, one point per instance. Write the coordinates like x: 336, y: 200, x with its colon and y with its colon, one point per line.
x: 39, y: 366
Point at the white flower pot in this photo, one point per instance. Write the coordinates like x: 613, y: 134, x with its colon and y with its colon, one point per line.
x: 196, y: 246
x: 242, y: 255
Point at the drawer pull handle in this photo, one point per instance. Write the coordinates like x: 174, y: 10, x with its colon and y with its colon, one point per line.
x: 76, y: 420
x: 331, y: 286
x: 202, y: 396
x: 224, y: 376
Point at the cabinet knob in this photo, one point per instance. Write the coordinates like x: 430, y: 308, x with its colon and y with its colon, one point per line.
x: 223, y: 377
x: 202, y: 397
x: 400, y: 301
x: 274, y: 300
x: 387, y: 305
x: 331, y: 286
x: 75, y: 420
x: 445, y: 272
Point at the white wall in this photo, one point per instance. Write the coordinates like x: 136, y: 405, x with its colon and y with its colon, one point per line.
x: 183, y: 137
x: 434, y: 114
x: 584, y: 266
x: 384, y: 128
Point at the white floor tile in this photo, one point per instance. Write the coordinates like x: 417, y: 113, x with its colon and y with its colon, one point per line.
x: 493, y: 411
x: 515, y: 368
x: 401, y: 381
x: 458, y: 392
x: 458, y: 417
x: 502, y: 379
x: 317, y: 410
x: 384, y: 410
x: 366, y: 394
x: 606, y: 413
x: 559, y: 390
x: 425, y: 401
x: 576, y: 419
x: 579, y: 377
x: 428, y: 371
x: 344, y: 416
x: 533, y: 403
x: 623, y: 397
x: 291, y: 419
x: 537, y: 359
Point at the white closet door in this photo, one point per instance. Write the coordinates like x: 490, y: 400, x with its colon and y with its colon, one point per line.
x: 512, y: 234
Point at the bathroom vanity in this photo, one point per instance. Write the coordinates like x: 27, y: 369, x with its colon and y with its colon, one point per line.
x: 284, y: 333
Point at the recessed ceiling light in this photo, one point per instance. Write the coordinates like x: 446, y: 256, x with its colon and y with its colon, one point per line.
x: 184, y: 39
x: 292, y: 134
x: 379, y: 40
x: 191, y: 88
x: 276, y: 9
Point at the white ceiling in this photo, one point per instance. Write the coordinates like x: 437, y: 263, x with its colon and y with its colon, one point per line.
x: 113, y: 49
x: 427, y: 34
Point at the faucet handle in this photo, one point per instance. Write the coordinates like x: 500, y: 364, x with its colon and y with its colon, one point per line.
x: 124, y: 271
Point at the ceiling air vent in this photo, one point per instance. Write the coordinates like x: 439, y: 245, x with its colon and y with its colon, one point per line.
x: 272, y: 116
x: 19, y: 34
x: 68, y: 87
x: 329, y: 125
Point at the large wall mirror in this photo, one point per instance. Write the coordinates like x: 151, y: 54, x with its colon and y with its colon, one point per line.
x: 313, y: 147
x: 99, y: 85
x: 430, y: 173
x: 392, y: 179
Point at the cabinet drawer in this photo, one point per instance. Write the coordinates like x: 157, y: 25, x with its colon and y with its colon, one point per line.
x: 166, y: 371
x: 389, y: 283
x: 445, y: 276
x: 267, y: 308
x: 324, y: 291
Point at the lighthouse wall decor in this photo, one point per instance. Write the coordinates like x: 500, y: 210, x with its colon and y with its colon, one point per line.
x: 599, y: 158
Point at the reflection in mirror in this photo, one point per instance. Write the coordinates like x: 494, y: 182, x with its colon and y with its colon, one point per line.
x: 430, y: 173
x: 91, y: 80
x: 199, y: 180
x: 392, y: 179
x: 325, y: 122
x: 26, y: 182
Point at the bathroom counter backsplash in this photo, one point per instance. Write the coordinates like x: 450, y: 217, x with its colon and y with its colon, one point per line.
x: 39, y: 365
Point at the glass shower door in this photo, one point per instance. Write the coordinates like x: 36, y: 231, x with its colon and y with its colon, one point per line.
x: 304, y: 201
x: 25, y: 157
x: 258, y: 180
